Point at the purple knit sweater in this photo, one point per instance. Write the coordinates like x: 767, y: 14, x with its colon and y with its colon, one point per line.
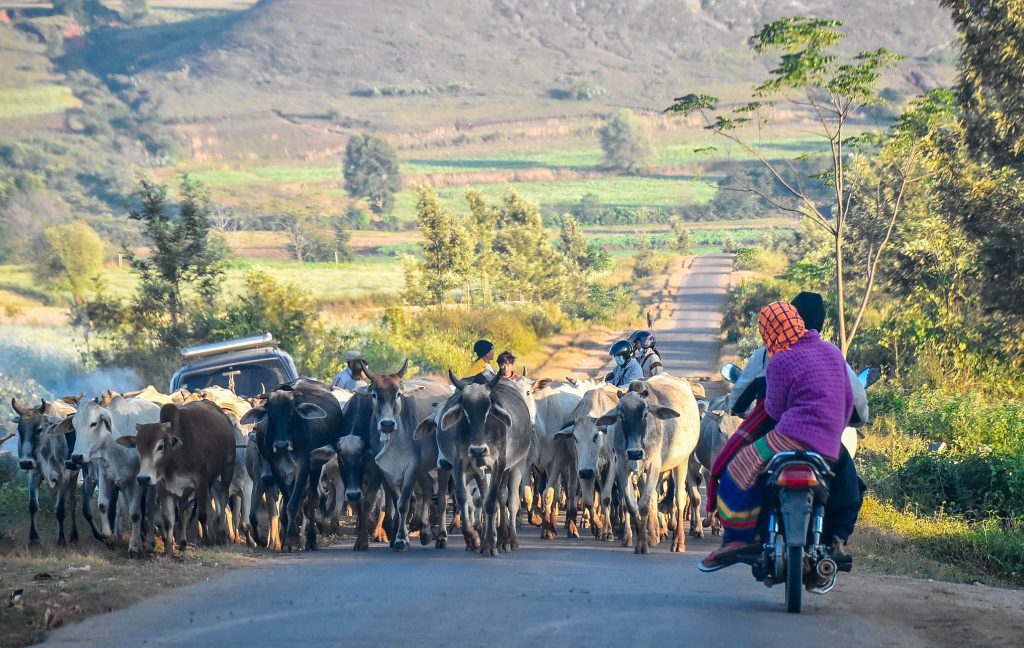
x: 809, y: 394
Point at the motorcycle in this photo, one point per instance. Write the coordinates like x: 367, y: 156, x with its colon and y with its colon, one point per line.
x: 793, y: 518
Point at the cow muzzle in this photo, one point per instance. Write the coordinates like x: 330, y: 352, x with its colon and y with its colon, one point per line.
x: 144, y: 480
x: 635, y: 454
x: 586, y: 473
x: 353, y: 495
x: 387, y: 425
x: 77, y: 460
x: 479, y: 452
x: 27, y: 464
x: 283, y: 446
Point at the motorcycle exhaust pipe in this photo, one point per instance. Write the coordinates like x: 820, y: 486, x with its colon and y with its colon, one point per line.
x: 827, y: 568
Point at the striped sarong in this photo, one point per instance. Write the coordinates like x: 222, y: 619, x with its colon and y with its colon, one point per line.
x: 741, y: 491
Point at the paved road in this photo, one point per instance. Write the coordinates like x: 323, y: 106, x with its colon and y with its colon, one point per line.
x: 572, y: 592
x: 689, y: 339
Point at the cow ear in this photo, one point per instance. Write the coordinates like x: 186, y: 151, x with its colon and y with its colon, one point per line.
x: 310, y: 411
x: 662, y: 412
x: 409, y: 391
x: 565, y: 432
x: 620, y: 393
x: 325, y: 454
x: 501, y: 414
x: 606, y: 419
x: 15, y: 419
x: 126, y: 441
x: 363, y: 391
x: 451, y: 417
x: 424, y: 429
x: 175, y: 441
x: 253, y: 416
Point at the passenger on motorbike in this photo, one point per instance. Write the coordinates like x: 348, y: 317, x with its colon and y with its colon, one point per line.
x: 847, y: 489
x: 646, y: 354
x: 627, y: 369
x: 809, y: 396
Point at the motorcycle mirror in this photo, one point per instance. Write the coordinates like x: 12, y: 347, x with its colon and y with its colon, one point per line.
x: 731, y: 372
x: 869, y: 376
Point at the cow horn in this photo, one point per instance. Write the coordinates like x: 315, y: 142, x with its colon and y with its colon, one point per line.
x: 17, y: 408
x: 458, y: 382
x: 366, y: 370
x: 405, y: 365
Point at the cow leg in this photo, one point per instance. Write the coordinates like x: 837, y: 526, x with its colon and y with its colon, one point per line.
x: 682, y: 477
x: 693, y: 499
x: 633, y: 521
x: 462, y: 495
x: 404, y: 495
x: 135, y: 494
x: 169, y: 510
x: 71, y: 484
x: 587, y: 492
x: 301, y: 477
x: 489, y: 546
x: 571, y: 505
x: 515, y: 480
x: 426, y: 484
x: 60, y: 510
x: 35, y: 478
x: 245, y: 509
x: 111, y: 512
x: 648, y: 535
x: 87, y: 479
x: 444, y: 478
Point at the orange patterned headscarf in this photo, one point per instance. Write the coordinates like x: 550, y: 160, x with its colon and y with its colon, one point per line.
x: 780, y: 325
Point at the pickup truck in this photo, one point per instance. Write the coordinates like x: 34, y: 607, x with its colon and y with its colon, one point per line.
x: 247, y: 366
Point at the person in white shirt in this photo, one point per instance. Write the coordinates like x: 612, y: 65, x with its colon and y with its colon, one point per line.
x: 353, y: 376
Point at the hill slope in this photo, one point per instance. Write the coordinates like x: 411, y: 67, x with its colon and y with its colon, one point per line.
x: 321, y: 56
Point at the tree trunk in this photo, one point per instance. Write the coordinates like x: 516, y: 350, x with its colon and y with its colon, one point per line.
x: 844, y: 344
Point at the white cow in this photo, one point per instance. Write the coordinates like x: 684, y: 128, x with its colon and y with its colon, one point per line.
x: 97, y: 429
x: 555, y: 453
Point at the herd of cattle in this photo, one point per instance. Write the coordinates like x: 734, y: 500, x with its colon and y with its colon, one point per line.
x: 207, y: 466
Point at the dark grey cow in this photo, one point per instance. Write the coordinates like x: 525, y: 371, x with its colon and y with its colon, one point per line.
x: 716, y: 426
x: 404, y: 461
x: 490, y: 428
x: 300, y: 417
x: 42, y: 455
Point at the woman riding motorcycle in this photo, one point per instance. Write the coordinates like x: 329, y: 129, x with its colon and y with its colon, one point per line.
x: 809, y: 396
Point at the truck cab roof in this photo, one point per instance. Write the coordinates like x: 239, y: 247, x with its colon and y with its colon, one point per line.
x: 248, y: 366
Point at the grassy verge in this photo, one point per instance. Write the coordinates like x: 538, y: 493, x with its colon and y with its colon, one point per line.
x: 939, y: 547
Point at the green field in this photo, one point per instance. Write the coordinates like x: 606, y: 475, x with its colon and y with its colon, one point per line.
x: 36, y: 100
x: 324, y: 282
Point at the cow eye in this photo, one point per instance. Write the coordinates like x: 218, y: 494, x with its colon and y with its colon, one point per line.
x: 596, y: 434
x: 93, y: 424
x: 160, y: 447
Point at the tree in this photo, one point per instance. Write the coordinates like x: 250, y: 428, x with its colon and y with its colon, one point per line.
x: 626, y: 142
x: 643, y: 260
x: 371, y: 172
x: 182, y: 257
x: 682, y: 236
x: 446, y: 249
x: 342, y: 237
x: 529, y: 267
x: 69, y: 255
x: 308, y: 239
x: 811, y: 77
x: 571, y: 242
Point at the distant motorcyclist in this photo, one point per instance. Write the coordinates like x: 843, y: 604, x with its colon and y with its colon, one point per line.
x: 627, y: 369
x: 646, y: 354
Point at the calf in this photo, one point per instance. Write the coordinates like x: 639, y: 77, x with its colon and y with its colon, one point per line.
x: 192, y: 446
x: 657, y: 425
x: 490, y: 427
x: 42, y: 455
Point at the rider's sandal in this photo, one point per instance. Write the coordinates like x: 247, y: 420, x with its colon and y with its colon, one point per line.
x: 721, y: 558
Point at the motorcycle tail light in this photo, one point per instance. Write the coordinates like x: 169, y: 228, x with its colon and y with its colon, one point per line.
x: 797, y: 477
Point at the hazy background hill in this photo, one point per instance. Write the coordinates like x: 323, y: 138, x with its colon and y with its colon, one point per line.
x: 347, y: 58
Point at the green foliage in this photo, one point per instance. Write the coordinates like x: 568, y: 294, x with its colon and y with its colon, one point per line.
x: 626, y: 142
x: 744, y: 305
x: 644, y: 264
x: 446, y: 250
x: 973, y: 486
x: 600, y: 304
x: 69, y: 256
x: 371, y: 172
x: 759, y: 259
x: 683, y: 240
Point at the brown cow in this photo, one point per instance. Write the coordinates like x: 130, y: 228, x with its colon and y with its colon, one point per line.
x: 192, y: 446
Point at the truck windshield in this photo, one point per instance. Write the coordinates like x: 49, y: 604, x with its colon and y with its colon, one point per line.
x: 250, y: 379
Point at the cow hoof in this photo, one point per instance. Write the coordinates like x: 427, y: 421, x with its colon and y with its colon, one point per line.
x: 74, y: 537
x: 535, y: 519
x: 641, y: 549
x: 442, y: 543
x: 135, y: 554
x: 716, y: 532
x: 401, y: 545
x: 573, y: 533
x: 424, y: 539
x: 61, y: 542
x: 33, y: 541
x: 492, y: 552
x: 361, y: 546
x: 514, y: 545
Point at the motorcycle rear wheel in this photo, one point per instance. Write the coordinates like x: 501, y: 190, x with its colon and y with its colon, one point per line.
x: 794, y: 579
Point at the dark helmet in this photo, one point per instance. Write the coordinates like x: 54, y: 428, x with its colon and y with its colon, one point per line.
x: 621, y: 348
x: 482, y: 348
x: 642, y: 339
